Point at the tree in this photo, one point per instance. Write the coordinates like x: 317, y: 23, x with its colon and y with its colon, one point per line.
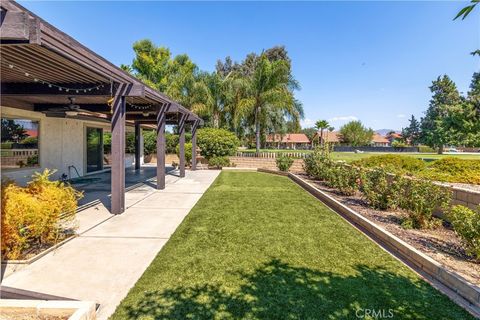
x: 309, y: 132
x: 267, y: 89
x: 355, y: 134
x: 12, y: 131
x: 467, y: 10
x: 412, y: 132
x: 437, y: 126
x: 321, y: 125
x: 155, y: 66
x: 210, y: 97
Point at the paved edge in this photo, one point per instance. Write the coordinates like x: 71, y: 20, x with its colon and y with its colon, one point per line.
x: 458, y: 289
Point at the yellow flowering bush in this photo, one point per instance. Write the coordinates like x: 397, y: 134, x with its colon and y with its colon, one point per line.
x: 37, y: 214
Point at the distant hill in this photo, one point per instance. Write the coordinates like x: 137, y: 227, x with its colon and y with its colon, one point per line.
x: 383, y: 132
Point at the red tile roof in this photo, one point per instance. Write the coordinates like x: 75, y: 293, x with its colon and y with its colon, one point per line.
x: 289, y: 137
x: 379, y: 138
x: 333, y: 136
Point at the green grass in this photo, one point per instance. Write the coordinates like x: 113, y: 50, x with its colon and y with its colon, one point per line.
x: 257, y: 246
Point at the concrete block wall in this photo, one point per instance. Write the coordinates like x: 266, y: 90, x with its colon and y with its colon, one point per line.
x: 264, y: 163
x: 467, y: 198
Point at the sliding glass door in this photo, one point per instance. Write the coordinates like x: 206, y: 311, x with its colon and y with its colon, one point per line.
x: 94, y: 149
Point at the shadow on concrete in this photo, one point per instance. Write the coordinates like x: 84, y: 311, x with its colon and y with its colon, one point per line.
x: 96, y: 188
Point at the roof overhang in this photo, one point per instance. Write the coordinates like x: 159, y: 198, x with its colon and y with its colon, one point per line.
x: 41, y: 65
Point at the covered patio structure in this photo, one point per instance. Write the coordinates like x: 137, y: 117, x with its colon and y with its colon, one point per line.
x: 46, y: 72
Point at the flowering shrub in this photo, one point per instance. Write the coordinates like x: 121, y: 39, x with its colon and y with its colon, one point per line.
x: 420, y: 198
x: 381, y: 189
x: 344, y: 178
x: 36, y: 214
x: 466, y: 223
x: 283, y: 163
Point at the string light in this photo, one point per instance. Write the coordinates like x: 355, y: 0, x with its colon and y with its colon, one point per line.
x: 53, y: 85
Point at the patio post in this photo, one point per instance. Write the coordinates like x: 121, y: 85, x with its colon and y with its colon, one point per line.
x: 181, y: 132
x: 194, y: 145
x: 138, y: 135
x: 118, y: 151
x: 161, y: 120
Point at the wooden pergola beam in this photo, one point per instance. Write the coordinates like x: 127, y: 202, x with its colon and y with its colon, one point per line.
x: 181, y: 144
x: 194, y: 145
x: 161, y: 121
x: 118, y: 151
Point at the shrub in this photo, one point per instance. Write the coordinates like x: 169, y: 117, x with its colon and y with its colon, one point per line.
x: 420, y: 198
x: 188, y: 152
x: 149, y: 142
x: 399, y: 144
x: 284, y: 163
x: 426, y: 149
x: 217, y: 142
x: 36, y: 214
x: 451, y: 169
x: 380, y: 189
x: 219, y: 162
x: 466, y: 223
x: 393, y: 163
x: 345, y: 178
x: 318, y: 163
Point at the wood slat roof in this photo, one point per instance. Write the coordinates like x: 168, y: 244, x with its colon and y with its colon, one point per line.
x: 33, y: 46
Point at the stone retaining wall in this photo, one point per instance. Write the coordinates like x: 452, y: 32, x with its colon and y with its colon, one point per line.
x: 264, y: 163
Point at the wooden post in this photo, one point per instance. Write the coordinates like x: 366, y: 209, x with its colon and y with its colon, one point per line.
x: 138, y: 134
x: 194, y: 145
x: 118, y: 152
x: 161, y: 120
x: 181, y: 132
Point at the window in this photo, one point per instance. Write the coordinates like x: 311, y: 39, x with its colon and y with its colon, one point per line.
x: 19, y: 144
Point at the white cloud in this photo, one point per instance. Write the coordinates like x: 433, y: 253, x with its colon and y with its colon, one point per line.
x: 307, y: 123
x: 343, y: 118
x: 401, y: 115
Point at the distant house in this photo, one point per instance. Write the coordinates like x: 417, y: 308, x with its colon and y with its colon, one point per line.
x: 380, y: 141
x: 394, y: 136
x: 288, y: 141
x: 332, y: 137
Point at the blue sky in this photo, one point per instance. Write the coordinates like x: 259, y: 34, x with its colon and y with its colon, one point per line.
x: 371, y: 61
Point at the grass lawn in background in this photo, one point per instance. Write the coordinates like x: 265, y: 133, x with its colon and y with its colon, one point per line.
x: 351, y: 156
x: 258, y: 246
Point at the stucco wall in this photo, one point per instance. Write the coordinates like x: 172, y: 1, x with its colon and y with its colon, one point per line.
x: 61, y: 144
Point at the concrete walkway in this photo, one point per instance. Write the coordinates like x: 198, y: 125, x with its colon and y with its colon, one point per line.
x: 112, y: 252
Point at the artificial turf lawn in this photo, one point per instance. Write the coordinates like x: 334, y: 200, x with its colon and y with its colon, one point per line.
x: 258, y: 246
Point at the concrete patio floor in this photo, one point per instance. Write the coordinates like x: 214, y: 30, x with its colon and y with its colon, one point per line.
x: 112, y: 252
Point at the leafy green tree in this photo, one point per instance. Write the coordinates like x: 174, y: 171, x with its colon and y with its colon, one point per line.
x: 309, y: 132
x: 155, y: 66
x: 12, y: 131
x: 356, y: 134
x: 438, y: 124
x: 322, y: 125
x: 412, y: 132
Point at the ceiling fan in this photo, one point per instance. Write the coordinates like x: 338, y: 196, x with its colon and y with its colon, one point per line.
x: 70, y: 109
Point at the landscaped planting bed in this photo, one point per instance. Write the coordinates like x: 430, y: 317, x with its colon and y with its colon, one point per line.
x: 258, y: 246
x: 442, y: 243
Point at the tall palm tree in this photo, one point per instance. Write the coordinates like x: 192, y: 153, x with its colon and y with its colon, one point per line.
x: 321, y: 125
x: 268, y: 88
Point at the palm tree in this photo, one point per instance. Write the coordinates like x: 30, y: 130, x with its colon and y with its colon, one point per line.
x: 268, y: 88
x: 208, y: 96
x: 321, y: 125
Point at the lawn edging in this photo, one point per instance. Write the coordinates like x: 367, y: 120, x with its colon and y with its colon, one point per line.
x: 468, y: 292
